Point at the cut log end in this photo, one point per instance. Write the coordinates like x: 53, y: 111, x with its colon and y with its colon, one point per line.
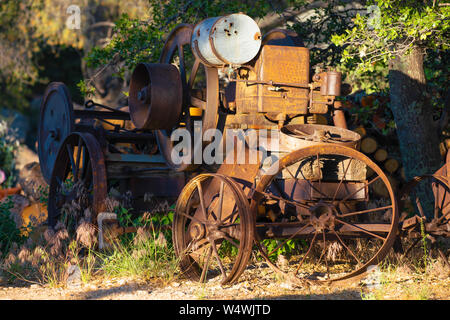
x: 391, y: 165
x: 369, y: 145
x: 380, y: 155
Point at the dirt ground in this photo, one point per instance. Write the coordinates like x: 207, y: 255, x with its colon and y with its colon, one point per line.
x: 256, y: 283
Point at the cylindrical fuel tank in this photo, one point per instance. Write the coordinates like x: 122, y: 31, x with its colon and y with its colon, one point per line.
x: 233, y: 40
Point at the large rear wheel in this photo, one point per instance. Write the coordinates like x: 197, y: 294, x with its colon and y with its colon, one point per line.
x: 325, y: 213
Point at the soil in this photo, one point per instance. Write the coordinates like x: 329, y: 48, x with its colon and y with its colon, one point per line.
x: 258, y: 283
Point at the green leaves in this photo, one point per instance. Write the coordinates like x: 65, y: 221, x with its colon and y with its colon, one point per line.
x: 9, y: 233
x: 137, y: 41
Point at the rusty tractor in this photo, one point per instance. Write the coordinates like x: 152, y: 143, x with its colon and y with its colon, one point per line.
x: 306, y: 207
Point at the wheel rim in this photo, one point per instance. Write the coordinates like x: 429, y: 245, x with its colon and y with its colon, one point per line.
x: 55, y: 124
x: 79, y: 175
x: 178, y: 40
x: 219, y: 246
x: 359, y: 230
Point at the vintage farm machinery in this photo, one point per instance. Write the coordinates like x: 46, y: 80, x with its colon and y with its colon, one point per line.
x: 310, y: 194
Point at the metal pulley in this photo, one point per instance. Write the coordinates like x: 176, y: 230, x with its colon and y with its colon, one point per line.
x: 156, y: 95
x: 233, y: 40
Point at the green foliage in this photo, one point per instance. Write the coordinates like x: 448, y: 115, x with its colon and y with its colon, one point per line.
x: 137, y: 41
x: 9, y: 233
x: 146, y: 253
x: 16, y: 69
x: 286, y: 249
x: 8, y: 148
x: 392, y: 29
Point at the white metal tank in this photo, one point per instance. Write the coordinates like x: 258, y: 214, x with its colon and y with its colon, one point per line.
x: 233, y: 40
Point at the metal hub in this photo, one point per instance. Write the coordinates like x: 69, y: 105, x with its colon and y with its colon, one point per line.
x: 197, y: 231
x: 322, y: 216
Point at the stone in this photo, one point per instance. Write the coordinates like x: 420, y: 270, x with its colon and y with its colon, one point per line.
x: 73, y: 275
x: 25, y: 156
x: 31, y: 181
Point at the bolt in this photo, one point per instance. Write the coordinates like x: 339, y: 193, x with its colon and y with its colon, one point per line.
x: 142, y: 95
x: 54, y: 133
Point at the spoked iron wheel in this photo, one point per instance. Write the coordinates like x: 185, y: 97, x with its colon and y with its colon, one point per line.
x: 321, y: 213
x: 425, y: 198
x: 78, y: 181
x: 198, y: 105
x: 212, y: 229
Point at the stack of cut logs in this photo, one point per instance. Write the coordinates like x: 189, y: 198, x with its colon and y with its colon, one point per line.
x: 389, y: 162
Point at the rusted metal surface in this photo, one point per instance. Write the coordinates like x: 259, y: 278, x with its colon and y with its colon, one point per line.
x: 299, y: 136
x: 56, y: 122
x: 280, y: 65
x: 79, y: 168
x: 233, y: 39
x: 176, y: 43
x: 323, y: 220
x: 339, y: 115
x: 300, y: 190
x: 436, y: 223
x: 207, y: 220
x: 156, y: 96
x: 320, y: 193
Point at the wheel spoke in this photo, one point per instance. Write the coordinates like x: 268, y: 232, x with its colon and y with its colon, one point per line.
x: 219, y: 261
x: 306, y: 254
x: 441, y: 207
x: 221, y: 192
x: 193, y: 73
x: 346, y: 247
x: 191, y: 217
x: 196, y: 245
x: 364, y: 186
x: 307, y: 180
x: 323, y: 253
x: 292, y: 236
x: 77, y: 167
x: 343, y: 178
x: 293, y: 202
x: 419, y: 206
x: 232, y: 241
x: 72, y: 162
x: 182, y: 66
x: 206, y: 266
x: 231, y: 216
x: 320, y: 175
x: 364, y: 211
x: 361, y: 229
x: 202, y: 200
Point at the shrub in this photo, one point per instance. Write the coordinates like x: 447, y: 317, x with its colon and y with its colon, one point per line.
x: 8, y: 148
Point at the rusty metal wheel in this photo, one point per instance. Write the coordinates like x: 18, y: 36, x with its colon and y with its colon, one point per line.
x: 201, y: 105
x: 56, y: 122
x: 78, y: 187
x: 319, y: 217
x: 212, y: 229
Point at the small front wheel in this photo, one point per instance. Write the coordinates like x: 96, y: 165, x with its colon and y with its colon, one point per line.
x: 213, y: 229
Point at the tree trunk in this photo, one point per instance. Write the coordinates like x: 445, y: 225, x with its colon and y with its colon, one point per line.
x: 97, y: 32
x: 418, y: 137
